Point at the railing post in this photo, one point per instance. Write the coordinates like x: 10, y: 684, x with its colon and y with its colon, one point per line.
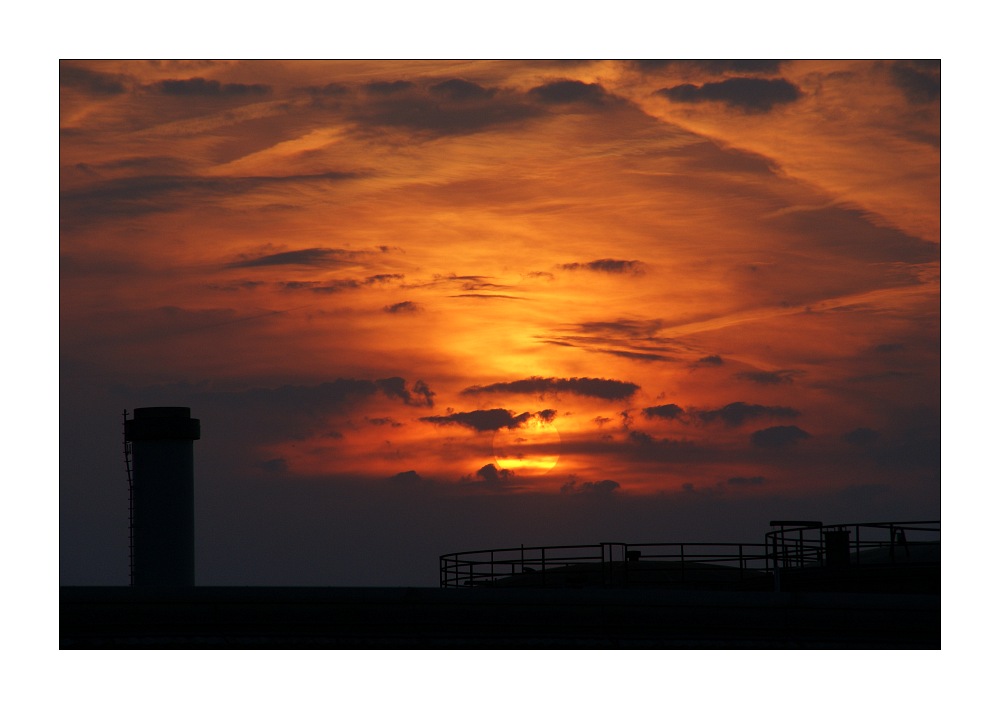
x: 777, y: 571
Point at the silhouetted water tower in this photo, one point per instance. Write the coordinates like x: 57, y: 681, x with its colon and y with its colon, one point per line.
x: 162, y: 439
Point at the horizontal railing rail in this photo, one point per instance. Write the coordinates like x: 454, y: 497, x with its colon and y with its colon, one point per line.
x: 853, y: 544
x: 807, y: 545
x: 792, y: 545
x: 609, y: 563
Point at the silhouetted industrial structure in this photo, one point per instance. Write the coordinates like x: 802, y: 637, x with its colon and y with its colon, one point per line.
x: 873, y: 585
x: 160, y: 456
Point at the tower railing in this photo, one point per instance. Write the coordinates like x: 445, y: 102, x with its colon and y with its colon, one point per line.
x: 794, y: 546
x: 789, y: 547
x: 605, y: 564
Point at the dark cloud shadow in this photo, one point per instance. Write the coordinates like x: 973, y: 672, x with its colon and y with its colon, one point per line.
x: 738, y: 412
x: 778, y: 436
x: 608, y: 389
x: 747, y: 94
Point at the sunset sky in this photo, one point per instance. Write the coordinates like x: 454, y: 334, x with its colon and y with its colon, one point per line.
x: 429, y: 306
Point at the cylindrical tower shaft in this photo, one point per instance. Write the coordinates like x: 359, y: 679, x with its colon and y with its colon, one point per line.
x: 162, y: 440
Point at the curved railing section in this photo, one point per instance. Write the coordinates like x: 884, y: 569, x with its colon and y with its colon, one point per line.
x: 607, y: 564
x: 790, y: 546
x: 794, y: 545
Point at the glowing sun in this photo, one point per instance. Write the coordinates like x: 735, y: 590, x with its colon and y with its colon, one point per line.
x: 530, y: 449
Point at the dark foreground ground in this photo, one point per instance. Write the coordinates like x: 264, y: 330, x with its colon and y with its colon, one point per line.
x: 494, y: 618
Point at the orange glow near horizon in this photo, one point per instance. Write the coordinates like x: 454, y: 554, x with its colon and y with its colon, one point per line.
x: 396, y: 256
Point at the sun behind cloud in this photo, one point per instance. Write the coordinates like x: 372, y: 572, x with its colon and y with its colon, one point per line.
x: 530, y: 449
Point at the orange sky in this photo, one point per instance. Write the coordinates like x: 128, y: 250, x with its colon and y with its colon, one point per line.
x: 711, y: 278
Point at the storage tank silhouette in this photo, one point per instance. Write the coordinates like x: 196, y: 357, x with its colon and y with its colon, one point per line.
x: 162, y: 446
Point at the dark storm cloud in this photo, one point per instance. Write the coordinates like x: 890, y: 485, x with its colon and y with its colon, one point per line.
x: 156, y: 164
x: 248, y: 418
x: 712, y: 66
x: 710, y: 361
x: 919, y: 84
x: 387, y: 88
x: 275, y: 466
x: 383, y: 421
x: 750, y: 95
x: 491, y: 476
x: 461, y: 90
x: 299, y: 257
x: 484, y: 285
x: 622, y: 327
x: 852, y: 235
x: 395, y: 388
x: 569, y: 91
x: 338, y: 285
x: 736, y: 413
x: 778, y: 436
x: 629, y: 354
x: 407, y: 477
x: 642, y: 446
x: 302, y: 285
x: 609, y: 389
x: 407, y: 306
x: 451, y: 107
x: 235, y: 285
x: 331, y: 89
x: 600, y: 487
x: 208, y: 87
x: 92, y: 82
x: 626, y: 338
x: 583, y: 343
x: 861, y: 437
x: 778, y: 376
x: 666, y: 411
x: 242, y: 420
x: 147, y: 194
x: 606, y: 265
x: 644, y: 439
x: 481, y: 420
x: 381, y: 278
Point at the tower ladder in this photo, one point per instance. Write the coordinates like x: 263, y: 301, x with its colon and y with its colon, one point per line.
x: 127, y: 452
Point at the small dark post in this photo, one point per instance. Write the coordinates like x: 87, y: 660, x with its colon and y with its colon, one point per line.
x: 837, y: 548
x: 162, y: 440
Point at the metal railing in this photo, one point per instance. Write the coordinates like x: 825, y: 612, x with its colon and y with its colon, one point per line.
x: 486, y: 567
x: 792, y: 545
x: 805, y: 545
x: 608, y: 564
